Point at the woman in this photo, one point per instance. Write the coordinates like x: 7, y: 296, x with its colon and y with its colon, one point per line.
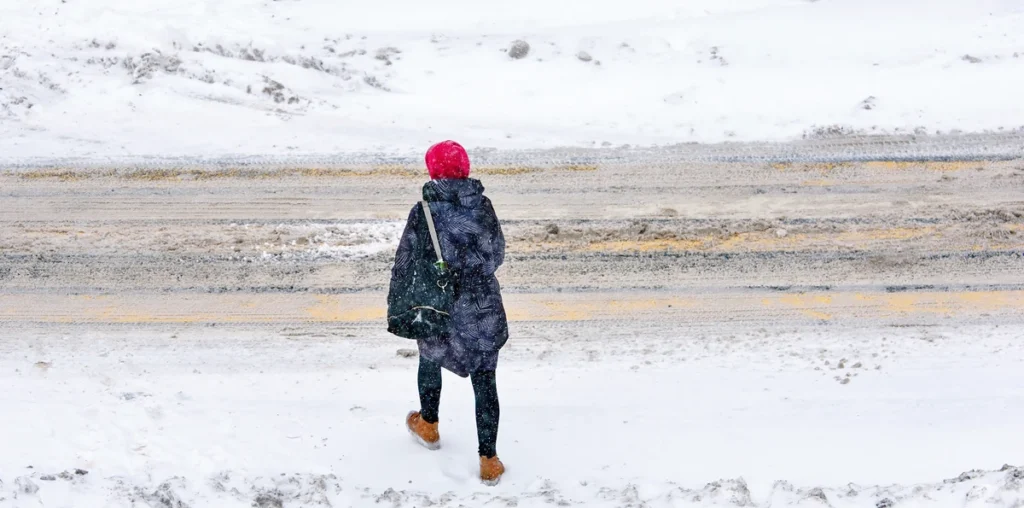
x: 473, y: 248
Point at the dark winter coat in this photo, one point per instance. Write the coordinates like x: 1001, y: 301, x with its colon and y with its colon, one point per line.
x: 473, y: 246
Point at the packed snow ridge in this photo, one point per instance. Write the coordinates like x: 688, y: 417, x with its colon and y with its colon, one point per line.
x: 991, y: 488
x: 111, y: 79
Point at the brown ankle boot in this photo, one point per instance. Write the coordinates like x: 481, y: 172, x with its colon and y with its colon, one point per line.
x: 425, y: 433
x: 491, y: 470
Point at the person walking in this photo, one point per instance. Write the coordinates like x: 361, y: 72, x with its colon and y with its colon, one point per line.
x: 456, y: 223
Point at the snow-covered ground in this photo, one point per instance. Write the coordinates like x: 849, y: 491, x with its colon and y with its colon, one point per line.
x: 645, y: 412
x: 592, y: 415
x: 106, y: 78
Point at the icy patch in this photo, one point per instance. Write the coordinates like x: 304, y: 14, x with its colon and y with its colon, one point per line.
x: 341, y: 241
x: 355, y: 241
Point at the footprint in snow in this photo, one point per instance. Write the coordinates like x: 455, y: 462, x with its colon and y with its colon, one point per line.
x: 457, y: 471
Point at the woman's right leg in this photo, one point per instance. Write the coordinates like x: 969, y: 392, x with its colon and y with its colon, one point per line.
x: 488, y: 412
x: 429, y: 381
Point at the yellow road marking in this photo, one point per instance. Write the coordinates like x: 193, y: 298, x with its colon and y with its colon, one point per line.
x: 370, y: 308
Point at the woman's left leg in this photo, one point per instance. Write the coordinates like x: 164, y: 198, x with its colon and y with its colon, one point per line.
x: 429, y: 381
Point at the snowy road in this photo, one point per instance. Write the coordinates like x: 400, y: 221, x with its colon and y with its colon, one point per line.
x: 878, y: 241
x: 732, y: 334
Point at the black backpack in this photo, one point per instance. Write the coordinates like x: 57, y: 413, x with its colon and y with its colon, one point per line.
x: 420, y: 306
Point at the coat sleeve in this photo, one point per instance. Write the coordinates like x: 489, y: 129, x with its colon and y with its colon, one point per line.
x: 405, y: 255
x: 498, y: 237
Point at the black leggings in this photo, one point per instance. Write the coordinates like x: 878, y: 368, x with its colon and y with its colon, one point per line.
x: 487, y: 409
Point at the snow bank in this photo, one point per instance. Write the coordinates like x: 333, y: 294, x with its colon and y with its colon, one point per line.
x: 201, y: 78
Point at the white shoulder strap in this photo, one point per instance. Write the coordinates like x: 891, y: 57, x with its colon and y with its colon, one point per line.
x: 433, y: 231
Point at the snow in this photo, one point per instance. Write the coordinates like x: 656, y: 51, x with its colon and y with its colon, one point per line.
x: 108, y: 78
x: 696, y: 417
x: 631, y: 413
